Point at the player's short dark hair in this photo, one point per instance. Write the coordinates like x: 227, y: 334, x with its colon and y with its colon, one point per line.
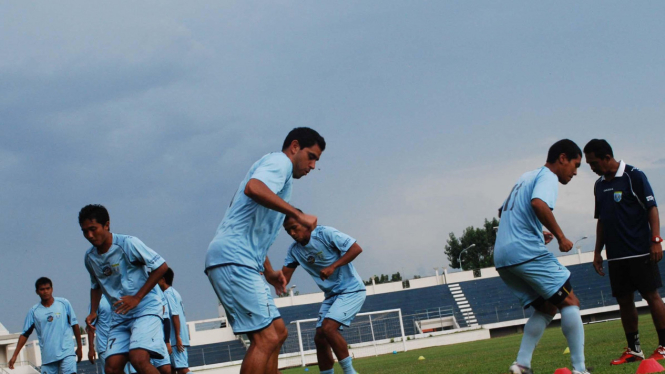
x: 94, y: 211
x: 168, y: 276
x: 42, y: 281
x: 566, y: 146
x: 306, y: 137
x: 287, y: 217
x: 599, y: 147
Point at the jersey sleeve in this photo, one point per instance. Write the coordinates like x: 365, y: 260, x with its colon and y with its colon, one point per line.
x: 642, y: 188
x: 274, y: 171
x: 596, y: 209
x: 546, y: 188
x: 338, y: 239
x: 290, y: 261
x: 71, y: 316
x: 93, y: 278
x: 141, y: 253
x: 173, y: 305
x: 29, y: 324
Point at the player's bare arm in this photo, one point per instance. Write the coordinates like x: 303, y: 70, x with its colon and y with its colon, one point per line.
x: 275, y: 278
x: 21, y: 342
x: 95, y: 298
x: 178, y: 340
x: 79, y: 346
x: 546, y: 217
x: 600, y: 243
x: 288, y: 273
x: 129, y: 302
x: 349, y: 256
x: 91, y: 345
x: 259, y: 192
x: 654, y: 222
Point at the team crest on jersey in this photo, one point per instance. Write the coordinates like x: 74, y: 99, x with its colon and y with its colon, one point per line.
x: 617, y: 196
x: 50, y: 318
x: 107, y: 271
x: 311, y: 259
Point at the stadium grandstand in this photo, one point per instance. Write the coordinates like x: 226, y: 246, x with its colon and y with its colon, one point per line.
x: 444, y: 309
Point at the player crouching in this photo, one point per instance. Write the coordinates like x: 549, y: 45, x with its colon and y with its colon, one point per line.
x: 326, y: 254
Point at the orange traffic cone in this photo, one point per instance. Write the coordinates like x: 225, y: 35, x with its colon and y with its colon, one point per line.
x: 649, y: 366
x: 562, y: 371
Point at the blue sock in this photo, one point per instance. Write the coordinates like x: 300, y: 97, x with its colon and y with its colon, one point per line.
x: 571, y: 325
x: 533, y: 331
x: 331, y: 371
x: 347, y: 366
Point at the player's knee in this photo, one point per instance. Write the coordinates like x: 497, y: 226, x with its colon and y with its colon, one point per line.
x: 139, y: 359
x: 109, y: 369
x: 651, y: 297
x: 626, y: 300
x: 329, y: 327
x: 320, y: 337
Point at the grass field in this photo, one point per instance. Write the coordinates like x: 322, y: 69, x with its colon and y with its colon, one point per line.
x: 604, y: 342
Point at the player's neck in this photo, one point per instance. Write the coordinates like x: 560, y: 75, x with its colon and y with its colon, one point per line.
x: 47, y: 303
x: 107, y: 244
x: 612, y: 171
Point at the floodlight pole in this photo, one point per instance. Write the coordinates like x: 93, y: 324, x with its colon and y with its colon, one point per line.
x: 459, y: 259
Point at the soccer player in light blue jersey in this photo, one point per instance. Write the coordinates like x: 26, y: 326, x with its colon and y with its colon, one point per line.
x: 118, y: 266
x: 162, y: 364
x: 179, y: 331
x: 237, y: 255
x: 98, y: 337
x: 326, y: 254
x: 532, y: 273
x: 56, y: 325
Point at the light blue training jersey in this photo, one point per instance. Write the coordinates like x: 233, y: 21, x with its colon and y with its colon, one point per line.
x: 102, y: 324
x: 54, y: 329
x: 326, y: 245
x: 177, y: 309
x: 122, y: 271
x: 248, y: 228
x: 520, y: 237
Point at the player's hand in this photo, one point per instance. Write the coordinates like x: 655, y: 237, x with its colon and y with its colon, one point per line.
x: 598, y: 264
x: 169, y: 348
x: 565, y: 245
x: 178, y: 344
x: 126, y: 303
x: 11, y: 362
x: 548, y: 237
x: 277, y: 280
x: 656, y: 252
x: 326, y: 272
x: 307, y: 220
x: 91, y: 355
x: 89, y: 320
x: 79, y: 354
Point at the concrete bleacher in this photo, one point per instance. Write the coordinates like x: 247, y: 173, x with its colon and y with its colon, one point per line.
x: 216, y: 353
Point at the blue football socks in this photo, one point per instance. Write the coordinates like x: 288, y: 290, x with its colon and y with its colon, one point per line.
x: 533, y: 331
x: 331, y: 371
x: 571, y: 325
x: 347, y: 366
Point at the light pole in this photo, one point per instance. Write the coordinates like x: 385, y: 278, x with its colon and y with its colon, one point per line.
x: 291, y: 292
x: 460, y: 256
x: 579, y: 248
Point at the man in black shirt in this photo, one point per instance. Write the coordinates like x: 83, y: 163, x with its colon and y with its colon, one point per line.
x: 629, y: 228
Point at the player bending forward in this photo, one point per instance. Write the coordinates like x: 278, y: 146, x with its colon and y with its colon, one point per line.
x: 118, y: 267
x: 326, y: 254
x: 525, y: 265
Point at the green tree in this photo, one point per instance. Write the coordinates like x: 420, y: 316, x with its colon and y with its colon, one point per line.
x: 383, y: 278
x: 480, y: 256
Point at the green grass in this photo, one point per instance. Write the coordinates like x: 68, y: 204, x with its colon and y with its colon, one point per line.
x: 604, y: 342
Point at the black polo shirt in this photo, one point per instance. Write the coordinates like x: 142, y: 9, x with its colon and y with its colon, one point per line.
x: 622, y: 205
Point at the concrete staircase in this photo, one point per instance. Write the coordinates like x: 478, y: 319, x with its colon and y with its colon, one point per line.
x: 463, y: 304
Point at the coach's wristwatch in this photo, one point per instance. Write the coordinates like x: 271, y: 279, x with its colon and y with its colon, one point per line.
x: 657, y: 239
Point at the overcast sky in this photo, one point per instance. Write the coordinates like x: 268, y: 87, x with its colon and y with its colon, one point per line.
x: 431, y: 111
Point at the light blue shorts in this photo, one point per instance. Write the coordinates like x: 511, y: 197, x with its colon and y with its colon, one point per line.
x: 179, y: 360
x: 101, y: 357
x: 156, y: 362
x: 146, y: 332
x: 540, y: 277
x: 245, y: 297
x: 341, y: 308
x: 65, y: 366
